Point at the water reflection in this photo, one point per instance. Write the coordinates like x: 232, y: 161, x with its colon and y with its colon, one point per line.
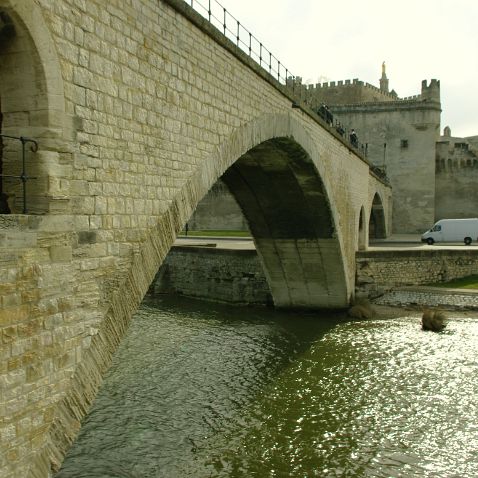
x: 213, y: 391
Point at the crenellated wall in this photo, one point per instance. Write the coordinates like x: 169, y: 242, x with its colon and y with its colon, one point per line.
x: 456, y: 178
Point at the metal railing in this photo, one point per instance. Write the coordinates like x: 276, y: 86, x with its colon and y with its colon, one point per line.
x: 231, y: 27
x: 23, y: 176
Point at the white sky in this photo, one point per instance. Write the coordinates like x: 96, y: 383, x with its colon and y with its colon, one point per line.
x: 331, y: 40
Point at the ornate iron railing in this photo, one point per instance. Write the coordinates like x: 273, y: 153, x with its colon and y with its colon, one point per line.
x: 24, y: 177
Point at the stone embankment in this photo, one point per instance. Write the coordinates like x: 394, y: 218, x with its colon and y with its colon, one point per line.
x: 399, y: 277
x: 391, y: 278
x: 429, y: 297
x: 205, y: 272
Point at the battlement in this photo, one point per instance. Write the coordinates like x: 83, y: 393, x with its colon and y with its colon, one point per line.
x: 354, y: 83
x: 355, y: 91
x: 431, y: 91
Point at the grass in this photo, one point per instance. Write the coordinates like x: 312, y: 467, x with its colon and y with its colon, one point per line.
x: 469, y: 282
x: 217, y: 233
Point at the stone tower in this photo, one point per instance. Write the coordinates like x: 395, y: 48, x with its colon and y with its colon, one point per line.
x: 384, y: 80
x: 399, y: 134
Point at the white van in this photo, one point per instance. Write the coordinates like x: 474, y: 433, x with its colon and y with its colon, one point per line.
x: 453, y: 230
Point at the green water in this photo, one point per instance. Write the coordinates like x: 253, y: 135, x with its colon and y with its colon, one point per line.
x: 204, y: 390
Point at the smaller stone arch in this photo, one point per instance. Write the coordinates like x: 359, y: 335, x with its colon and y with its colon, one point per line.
x: 362, y: 231
x: 31, y: 106
x: 377, y: 223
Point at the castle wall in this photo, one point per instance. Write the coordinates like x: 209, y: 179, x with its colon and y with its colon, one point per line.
x: 344, y: 93
x: 409, y: 129
x: 456, y: 178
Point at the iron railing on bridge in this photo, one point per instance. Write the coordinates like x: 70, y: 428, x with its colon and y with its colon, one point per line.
x: 23, y: 176
x: 232, y: 28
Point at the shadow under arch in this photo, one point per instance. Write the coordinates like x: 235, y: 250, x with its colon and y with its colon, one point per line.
x: 377, y: 223
x: 287, y: 210
x: 362, y: 231
x: 32, y: 105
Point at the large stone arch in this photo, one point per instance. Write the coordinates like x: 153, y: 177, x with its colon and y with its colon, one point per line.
x: 301, y: 244
x: 276, y: 135
x: 32, y: 106
x: 288, y: 213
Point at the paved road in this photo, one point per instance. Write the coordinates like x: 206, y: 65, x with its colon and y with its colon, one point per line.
x: 413, y: 242
x: 401, y: 242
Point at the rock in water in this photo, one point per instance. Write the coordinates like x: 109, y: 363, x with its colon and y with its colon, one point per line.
x: 433, y: 320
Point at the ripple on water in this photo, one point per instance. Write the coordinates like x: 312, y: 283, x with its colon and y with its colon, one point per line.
x: 222, y: 392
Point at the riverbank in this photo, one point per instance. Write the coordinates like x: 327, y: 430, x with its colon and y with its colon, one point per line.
x: 454, y: 299
x: 416, y: 311
x: 229, y: 271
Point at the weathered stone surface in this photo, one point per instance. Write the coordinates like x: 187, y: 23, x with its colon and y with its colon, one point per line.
x: 231, y: 276
x: 379, y: 272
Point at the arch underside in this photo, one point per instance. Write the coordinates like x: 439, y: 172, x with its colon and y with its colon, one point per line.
x: 377, y: 224
x: 285, y: 204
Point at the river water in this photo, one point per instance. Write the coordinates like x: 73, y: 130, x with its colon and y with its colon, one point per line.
x: 206, y: 390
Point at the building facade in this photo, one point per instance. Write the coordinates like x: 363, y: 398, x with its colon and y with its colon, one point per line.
x: 399, y: 136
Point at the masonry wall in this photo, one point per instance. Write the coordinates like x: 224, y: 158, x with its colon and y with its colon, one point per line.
x: 379, y: 271
x: 410, y: 131
x: 231, y: 276
x: 236, y: 276
x: 456, y: 194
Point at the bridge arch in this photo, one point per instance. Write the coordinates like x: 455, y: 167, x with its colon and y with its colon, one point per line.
x: 276, y: 143
x: 32, y: 105
x: 274, y: 170
x: 377, y: 220
x: 362, y: 231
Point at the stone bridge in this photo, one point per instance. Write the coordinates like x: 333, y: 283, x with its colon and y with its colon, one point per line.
x: 138, y: 107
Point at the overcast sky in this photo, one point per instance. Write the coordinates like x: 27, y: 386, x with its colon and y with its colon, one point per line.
x: 337, y: 40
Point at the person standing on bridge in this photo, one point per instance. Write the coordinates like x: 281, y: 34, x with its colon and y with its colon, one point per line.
x: 354, y: 138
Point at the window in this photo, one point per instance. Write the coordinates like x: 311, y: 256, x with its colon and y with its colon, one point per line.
x: 404, y: 143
